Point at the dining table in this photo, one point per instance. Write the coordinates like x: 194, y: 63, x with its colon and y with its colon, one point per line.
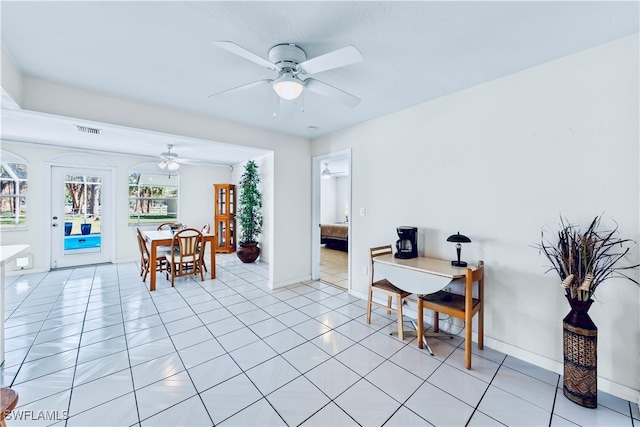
x: 158, y: 238
x: 420, y: 276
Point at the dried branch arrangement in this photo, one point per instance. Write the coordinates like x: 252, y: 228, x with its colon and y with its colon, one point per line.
x: 585, y: 260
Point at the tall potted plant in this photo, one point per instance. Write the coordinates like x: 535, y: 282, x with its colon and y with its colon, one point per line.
x: 583, y: 260
x: 249, y: 213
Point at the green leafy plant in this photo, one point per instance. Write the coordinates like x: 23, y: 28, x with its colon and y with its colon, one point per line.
x: 249, y: 206
x: 585, y: 260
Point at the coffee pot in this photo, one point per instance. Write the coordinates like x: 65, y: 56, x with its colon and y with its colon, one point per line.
x: 407, y: 244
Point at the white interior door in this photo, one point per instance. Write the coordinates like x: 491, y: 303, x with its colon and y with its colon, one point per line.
x: 81, y: 231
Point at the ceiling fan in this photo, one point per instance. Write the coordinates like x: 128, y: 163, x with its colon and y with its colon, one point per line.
x: 293, y: 68
x: 328, y: 174
x: 171, y: 160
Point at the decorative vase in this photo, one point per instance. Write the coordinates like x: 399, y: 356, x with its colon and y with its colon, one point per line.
x: 67, y: 228
x: 580, y: 346
x: 248, y: 252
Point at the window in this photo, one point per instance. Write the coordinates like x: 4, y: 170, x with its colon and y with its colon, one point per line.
x: 153, y: 195
x: 13, y: 191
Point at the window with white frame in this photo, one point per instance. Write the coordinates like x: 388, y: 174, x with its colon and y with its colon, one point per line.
x: 13, y: 191
x: 153, y: 195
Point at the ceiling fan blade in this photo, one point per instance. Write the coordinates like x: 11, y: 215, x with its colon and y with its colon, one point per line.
x: 190, y: 161
x: 338, y: 58
x: 243, y: 87
x: 331, y: 92
x: 244, y: 53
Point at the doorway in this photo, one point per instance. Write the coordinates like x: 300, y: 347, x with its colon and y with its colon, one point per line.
x: 331, y: 218
x: 80, y: 216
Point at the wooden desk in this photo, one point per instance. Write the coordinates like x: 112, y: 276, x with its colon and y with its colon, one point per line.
x: 420, y: 276
x: 7, y: 254
x: 157, y: 238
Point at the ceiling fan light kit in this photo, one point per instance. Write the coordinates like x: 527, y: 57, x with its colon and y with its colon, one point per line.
x: 287, y: 86
x: 169, y: 164
x: 173, y: 166
x: 169, y: 159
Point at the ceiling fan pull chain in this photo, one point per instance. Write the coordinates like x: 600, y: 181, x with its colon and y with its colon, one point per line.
x: 302, y: 109
x: 275, y: 105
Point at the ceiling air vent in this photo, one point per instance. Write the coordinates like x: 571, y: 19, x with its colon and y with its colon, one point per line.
x: 86, y: 129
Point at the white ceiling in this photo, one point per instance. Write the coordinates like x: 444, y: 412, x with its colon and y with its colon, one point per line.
x: 162, y: 53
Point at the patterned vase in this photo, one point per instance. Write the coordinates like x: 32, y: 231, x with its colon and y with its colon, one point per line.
x: 580, y: 345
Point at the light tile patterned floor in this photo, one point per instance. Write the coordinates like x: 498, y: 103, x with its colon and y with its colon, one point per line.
x: 334, y: 267
x: 95, y: 344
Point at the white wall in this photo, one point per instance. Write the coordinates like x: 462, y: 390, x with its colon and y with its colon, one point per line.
x: 11, y: 79
x: 328, y: 201
x: 334, y: 199
x: 499, y: 162
x: 195, y: 208
x: 342, y: 197
x: 291, y: 168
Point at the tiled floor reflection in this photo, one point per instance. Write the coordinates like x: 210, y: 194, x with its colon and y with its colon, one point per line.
x: 95, y: 345
x: 334, y: 267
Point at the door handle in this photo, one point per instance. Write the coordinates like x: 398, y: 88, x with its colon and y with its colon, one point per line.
x: 54, y: 225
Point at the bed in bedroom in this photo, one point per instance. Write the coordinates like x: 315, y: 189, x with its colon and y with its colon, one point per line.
x: 335, y: 236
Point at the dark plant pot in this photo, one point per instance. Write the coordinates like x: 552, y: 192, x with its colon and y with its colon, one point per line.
x: 85, y: 228
x: 67, y: 228
x: 580, y: 347
x: 248, y: 252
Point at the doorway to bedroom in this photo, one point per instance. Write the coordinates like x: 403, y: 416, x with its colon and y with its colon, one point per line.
x: 332, y: 202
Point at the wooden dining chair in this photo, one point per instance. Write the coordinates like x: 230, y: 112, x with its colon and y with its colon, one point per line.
x: 185, y: 257
x: 206, y: 229
x: 459, y: 306
x: 145, y: 257
x: 386, y: 288
x: 169, y: 226
x: 8, y: 401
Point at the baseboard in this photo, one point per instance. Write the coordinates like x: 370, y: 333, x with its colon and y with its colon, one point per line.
x: 14, y: 273
x: 282, y: 284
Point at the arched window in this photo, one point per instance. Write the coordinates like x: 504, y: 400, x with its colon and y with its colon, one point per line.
x: 153, y: 195
x: 13, y: 191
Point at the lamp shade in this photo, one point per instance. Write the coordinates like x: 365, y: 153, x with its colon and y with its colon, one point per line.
x: 458, y: 238
x: 287, y: 86
x: 170, y: 164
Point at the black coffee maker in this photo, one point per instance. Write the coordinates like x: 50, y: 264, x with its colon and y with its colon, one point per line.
x: 407, y: 244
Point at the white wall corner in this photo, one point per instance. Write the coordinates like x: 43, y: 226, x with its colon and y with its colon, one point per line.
x: 11, y: 80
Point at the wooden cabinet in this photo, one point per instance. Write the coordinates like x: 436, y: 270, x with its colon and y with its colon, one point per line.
x: 224, y: 217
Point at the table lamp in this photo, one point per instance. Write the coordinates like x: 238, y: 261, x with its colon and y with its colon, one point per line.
x: 458, y: 239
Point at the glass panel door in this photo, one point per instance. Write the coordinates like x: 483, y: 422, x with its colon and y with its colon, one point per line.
x: 78, y: 220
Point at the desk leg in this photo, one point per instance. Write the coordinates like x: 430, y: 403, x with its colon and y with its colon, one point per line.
x: 152, y: 267
x: 415, y: 333
x: 424, y: 338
